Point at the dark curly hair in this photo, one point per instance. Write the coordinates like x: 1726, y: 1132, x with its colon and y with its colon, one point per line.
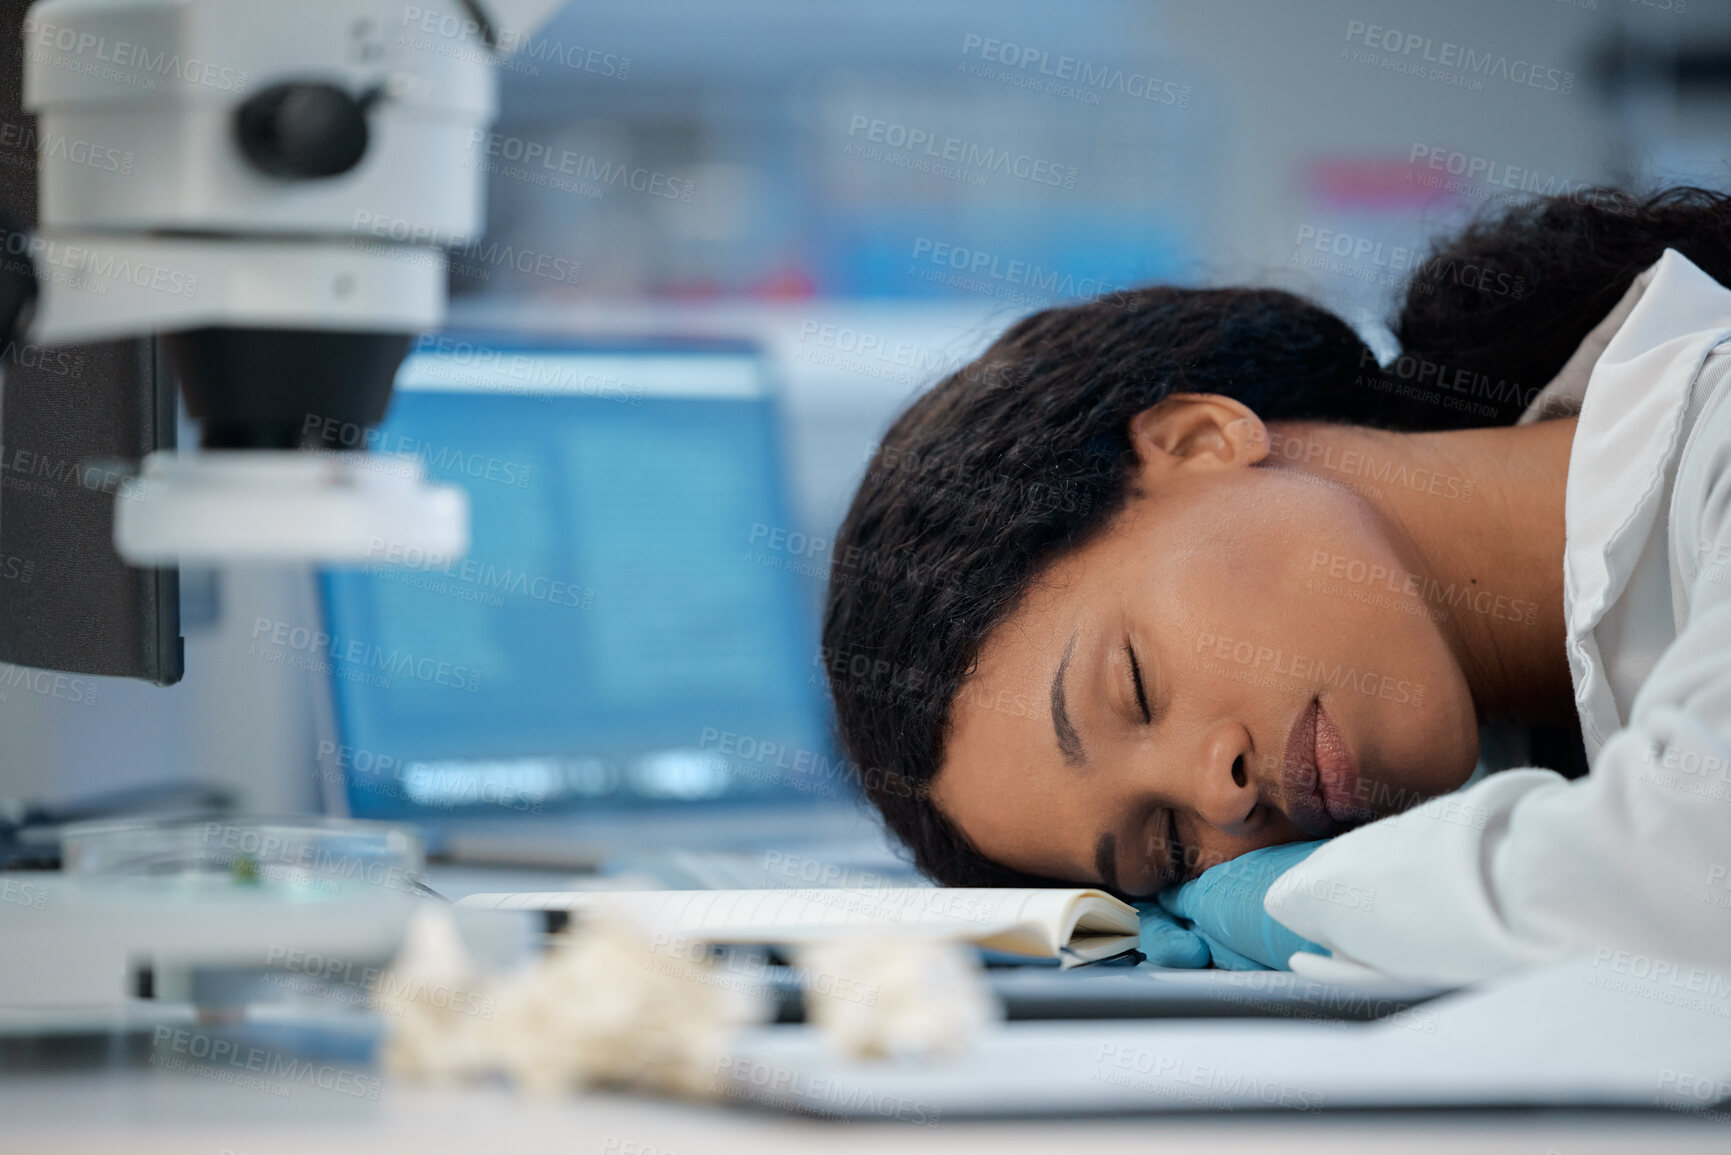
x: 1024, y: 454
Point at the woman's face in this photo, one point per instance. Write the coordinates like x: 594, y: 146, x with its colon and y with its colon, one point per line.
x: 1235, y: 662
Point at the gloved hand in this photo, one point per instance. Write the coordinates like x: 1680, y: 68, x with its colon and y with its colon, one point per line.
x: 1168, y: 943
x: 1223, y: 909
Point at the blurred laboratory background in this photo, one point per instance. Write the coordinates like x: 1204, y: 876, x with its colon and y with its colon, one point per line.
x: 804, y: 214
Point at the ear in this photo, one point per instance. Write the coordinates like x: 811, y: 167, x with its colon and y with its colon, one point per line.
x: 1188, y: 431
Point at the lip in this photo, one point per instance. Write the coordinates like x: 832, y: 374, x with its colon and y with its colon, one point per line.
x: 1337, y: 769
x: 1305, y: 789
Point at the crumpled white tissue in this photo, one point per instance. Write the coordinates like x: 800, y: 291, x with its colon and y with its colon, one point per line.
x: 880, y: 997
x: 605, y: 1006
x: 433, y: 997
x: 608, y: 1006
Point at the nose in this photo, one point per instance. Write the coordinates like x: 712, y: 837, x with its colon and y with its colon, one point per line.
x: 1225, y: 793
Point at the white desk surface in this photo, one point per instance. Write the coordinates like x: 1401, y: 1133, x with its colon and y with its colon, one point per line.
x: 49, y: 1106
x: 152, y: 1113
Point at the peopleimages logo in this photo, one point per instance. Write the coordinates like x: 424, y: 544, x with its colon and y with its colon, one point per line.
x: 984, y: 271
x: 1456, y: 63
x: 90, y: 270
x: 1254, y: 658
x: 538, y: 160
x: 1071, y: 76
x: 32, y: 148
x: 351, y: 658
x: 121, y: 61
x: 987, y: 159
x: 227, y: 1060
x: 462, y: 37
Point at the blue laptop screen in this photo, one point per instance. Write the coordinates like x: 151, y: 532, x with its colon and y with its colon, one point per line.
x: 610, y: 638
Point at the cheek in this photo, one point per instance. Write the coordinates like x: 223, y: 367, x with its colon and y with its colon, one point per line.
x: 1282, y: 598
x: 1014, y: 811
x: 1418, y: 751
x: 1240, y: 571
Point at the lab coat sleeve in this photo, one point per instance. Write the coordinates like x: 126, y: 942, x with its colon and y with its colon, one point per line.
x: 1525, y: 867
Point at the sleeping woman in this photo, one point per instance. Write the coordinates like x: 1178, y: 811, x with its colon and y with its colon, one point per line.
x: 1173, y: 577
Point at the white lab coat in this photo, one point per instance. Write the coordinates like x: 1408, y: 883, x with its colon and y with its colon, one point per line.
x: 1525, y: 867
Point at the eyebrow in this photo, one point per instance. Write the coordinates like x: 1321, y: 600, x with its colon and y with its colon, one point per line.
x: 1069, y: 742
x: 1106, y: 860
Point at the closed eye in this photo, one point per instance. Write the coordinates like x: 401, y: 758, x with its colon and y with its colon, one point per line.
x: 1136, y: 680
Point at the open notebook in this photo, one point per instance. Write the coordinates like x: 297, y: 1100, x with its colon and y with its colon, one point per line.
x: 1074, y: 926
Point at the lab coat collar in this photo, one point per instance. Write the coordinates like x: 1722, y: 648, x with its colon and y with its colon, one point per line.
x: 1643, y: 360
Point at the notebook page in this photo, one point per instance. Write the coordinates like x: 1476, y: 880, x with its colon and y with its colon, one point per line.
x: 1029, y: 921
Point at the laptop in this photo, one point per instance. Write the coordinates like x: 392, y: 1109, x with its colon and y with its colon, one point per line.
x: 619, y: 662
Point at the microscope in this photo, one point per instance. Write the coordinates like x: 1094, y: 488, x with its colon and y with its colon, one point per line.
x: 268, y: 190
x: 216, y: 172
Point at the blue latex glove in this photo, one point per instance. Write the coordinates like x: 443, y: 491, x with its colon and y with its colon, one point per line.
x: 1167, y: 942
x: 1223, y: 908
